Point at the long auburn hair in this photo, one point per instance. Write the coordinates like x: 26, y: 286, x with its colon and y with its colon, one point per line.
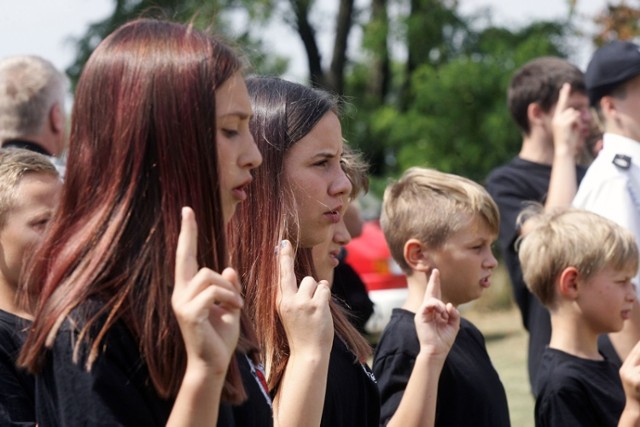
x: 283, y: 113
x: 142, y: 145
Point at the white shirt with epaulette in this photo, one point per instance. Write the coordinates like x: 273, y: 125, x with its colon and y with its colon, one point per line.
x: 611, y: 186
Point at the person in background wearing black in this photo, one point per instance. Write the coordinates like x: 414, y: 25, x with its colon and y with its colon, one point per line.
x: 548, y: 101
x: 348, y: 287
x: 29, y: 191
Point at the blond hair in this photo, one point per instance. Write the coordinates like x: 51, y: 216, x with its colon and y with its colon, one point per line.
x: 571, y: 238
x: 29, y: 87
x: 430, y: 206
x: 15, y: 164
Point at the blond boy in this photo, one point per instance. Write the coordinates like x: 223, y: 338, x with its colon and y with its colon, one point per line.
x: 433, y: 220
x: 580, y: 266
x: 29, y: 188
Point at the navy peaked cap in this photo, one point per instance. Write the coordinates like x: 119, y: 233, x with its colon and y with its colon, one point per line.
x: 611, y: 65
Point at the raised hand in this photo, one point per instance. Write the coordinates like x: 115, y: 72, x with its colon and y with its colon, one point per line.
x: 567, y: 124
x: 630, y: 374
x: 206, y: 304
x: 436, y: 323
x: 304, y: 310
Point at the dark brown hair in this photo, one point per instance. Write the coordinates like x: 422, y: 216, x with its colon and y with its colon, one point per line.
x: 539, y: 81
x: 142, y: 145
x: 284, y: 113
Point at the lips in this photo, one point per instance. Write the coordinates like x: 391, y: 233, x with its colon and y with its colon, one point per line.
x: 239, y: 192
x: 333, y: 256
x: 485, y: 282
x: 334, y: 215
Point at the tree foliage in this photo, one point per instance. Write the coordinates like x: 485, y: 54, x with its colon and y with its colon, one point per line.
x: 427, y: 85
x: 617, y: 21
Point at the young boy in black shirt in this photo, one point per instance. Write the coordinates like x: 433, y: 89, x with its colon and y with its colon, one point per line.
x: 29, y: 188
x: 580, y: 266
x: 433, y: 220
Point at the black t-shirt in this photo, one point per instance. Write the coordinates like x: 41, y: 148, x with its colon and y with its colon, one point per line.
x: 577, y: 392
x: 17, y: 403
x: 513, y: 186
x: 256, y: 410
x: 118, y: 391
x: 352, y: 398
x: 469, y: 390
x: 351, y: 292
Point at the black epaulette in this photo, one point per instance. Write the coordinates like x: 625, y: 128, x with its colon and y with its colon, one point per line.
x: 622, y: 161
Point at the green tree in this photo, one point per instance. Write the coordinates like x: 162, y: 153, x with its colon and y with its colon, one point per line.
x: 446, y: 105
x: 441, y: 102
x: 209, y: 14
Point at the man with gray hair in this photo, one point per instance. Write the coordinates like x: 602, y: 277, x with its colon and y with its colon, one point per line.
x: 32, y: 114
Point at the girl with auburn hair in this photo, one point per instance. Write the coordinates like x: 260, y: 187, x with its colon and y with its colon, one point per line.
x: 319, y: 376
x: 129, y: 330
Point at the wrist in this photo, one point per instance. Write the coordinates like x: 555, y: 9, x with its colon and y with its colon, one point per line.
x: 431, y: 357
x: 564, y: 152
x: 312, y: 356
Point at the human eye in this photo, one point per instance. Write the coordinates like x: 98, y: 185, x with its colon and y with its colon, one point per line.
x: 323, y: 163
x: 230, y: 133
x: 40, y: 223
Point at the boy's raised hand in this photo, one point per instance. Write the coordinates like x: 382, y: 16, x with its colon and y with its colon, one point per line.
x: 206, y: 304
x: 630, y: 376
x: 304, y: 310
x: 436, y: 323
x: 567, y: 123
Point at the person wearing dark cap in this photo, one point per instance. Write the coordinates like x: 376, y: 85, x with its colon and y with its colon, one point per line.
x: 611, y: 186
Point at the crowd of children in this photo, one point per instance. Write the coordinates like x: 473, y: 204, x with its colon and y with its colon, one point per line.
x: 181, y: 271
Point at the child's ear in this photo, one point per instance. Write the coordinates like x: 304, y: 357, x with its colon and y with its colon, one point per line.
x: 534, y: 113
x: 569, y: 283
x: 417, y: 255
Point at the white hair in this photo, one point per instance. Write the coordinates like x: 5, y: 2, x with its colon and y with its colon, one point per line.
x: 29, y: 87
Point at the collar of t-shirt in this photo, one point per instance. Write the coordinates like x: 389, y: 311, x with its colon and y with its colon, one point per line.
x: 26, y: 145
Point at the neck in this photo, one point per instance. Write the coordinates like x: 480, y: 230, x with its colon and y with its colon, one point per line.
x: 571, y: 335
x: 47, y: 141
x: 536, y: 149
x: 417, y: 285
x: 8, y: 300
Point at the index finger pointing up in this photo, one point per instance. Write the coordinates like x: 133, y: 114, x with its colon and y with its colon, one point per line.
x: 187, y: 249
x: 287, y: 275
x: 563, y: 97
x: 433, y: 286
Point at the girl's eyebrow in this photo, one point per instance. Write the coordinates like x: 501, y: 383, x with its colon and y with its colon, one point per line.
x: 241, y: 114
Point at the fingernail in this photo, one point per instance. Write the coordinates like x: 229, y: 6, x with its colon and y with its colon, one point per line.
x: 283, y: 244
